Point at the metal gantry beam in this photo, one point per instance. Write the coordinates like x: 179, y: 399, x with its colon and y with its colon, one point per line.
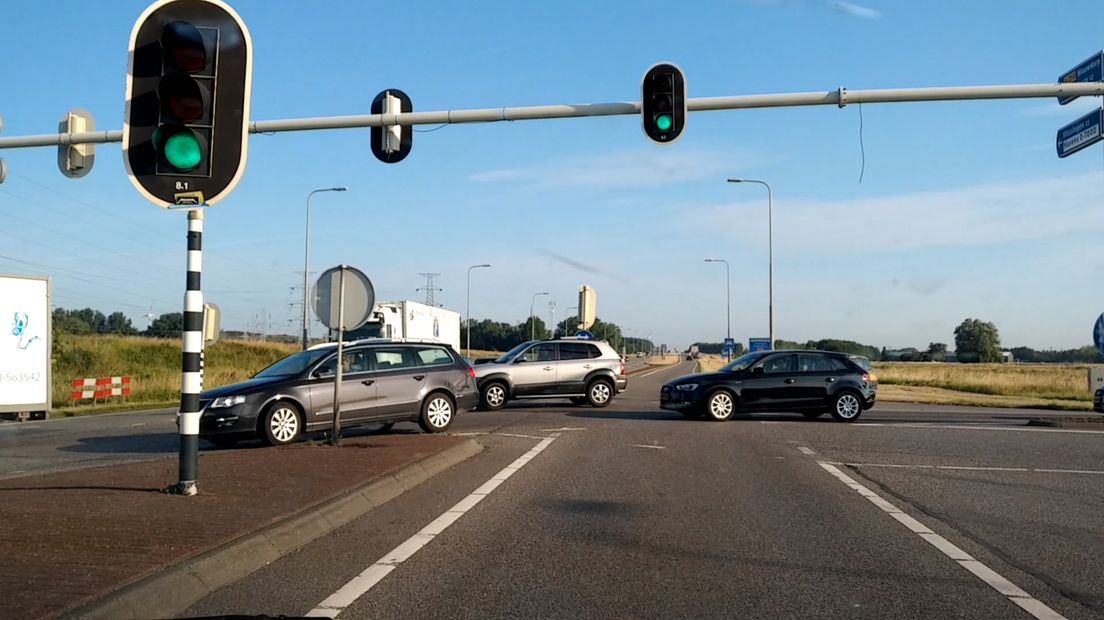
x: 839, y: 97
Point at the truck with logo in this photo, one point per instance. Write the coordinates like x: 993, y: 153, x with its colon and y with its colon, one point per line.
x: 410, y: 320
x: 26, y: 387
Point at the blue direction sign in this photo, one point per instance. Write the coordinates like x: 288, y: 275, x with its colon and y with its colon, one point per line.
x: 1092, y: 70
x: 1081, y: 133
x: 584, y: 335
x: 759, y: 344
x: 1098, y: 334
x: 729, y: 347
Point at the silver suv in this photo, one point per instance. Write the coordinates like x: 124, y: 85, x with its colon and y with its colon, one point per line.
x: 586, y: 371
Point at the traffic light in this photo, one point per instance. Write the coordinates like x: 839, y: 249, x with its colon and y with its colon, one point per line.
x: 185, y: 133
x: 393, y: 143
x: 663, y: 103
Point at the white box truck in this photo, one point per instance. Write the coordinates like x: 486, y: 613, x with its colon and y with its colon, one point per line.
x: 410, y: 320
x: 26, y: 381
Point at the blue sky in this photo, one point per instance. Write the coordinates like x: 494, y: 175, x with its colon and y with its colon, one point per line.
x: 963, y: 209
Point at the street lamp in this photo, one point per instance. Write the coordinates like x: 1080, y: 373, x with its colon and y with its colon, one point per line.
x: 467, y: 309
x: 306, y: 262
x: 770, y: 248
x: 728, y: 296
x: 532, y: 321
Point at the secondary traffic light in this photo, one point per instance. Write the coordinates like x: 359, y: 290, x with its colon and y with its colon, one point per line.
x: 663, y: 102
x: 185, y: 134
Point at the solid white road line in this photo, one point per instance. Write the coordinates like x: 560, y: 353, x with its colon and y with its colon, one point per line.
x: 359, y: 585
x: 644, y: 445
x: 1021, y: 429
x: 806, y: 451
x: 1035, y: 470
x: 1013, y: 592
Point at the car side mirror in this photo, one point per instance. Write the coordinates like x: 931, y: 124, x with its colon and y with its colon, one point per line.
x: 757, y: 371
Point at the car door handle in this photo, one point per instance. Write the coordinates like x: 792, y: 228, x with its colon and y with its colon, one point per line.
x: 790, y: 380
x: 587, y: 366
x: 549, y: 368
x: 831, y: 379
x: 367, y: 382
x: 418, y: 377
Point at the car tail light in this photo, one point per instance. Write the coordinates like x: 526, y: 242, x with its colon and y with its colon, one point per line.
x: 471, y: 371
x: 622, y: 367
x: 869, y: 377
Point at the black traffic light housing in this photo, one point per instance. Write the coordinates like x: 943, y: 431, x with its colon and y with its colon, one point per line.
x: 663, y: 102
x: 186, y: 128
x: 392, y: 144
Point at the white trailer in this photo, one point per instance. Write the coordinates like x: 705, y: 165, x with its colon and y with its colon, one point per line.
x: 26, y: 342
x: 411, y: 320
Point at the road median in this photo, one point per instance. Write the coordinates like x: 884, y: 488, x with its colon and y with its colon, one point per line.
x: 107, y: 543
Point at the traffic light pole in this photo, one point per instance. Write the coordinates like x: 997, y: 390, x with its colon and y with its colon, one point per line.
x: 191, y: 381
x: 839, y: 97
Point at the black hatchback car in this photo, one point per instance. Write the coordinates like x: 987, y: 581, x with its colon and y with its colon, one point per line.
x: 383, y: 382
x: 809, y: 382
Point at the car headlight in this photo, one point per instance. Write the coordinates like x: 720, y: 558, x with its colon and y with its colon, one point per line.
x: 226, y: 401
x: 687, y: 387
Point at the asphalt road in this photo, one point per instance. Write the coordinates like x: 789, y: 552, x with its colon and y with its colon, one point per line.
x: 634, y: 511
x: 630, y: 511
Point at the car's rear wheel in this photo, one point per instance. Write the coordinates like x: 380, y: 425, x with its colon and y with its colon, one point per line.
x: 579, y: 400
x: 494, y: 396
x: 281, y: 424
x: 846, y: 406
x: 599, y: 393
x: 720, y: 406
x: 812, y: 415
x: 438, y: 412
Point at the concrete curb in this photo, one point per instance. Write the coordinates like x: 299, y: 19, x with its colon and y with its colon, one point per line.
x: 171, y: 590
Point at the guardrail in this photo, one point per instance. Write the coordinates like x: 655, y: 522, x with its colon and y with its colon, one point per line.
x: 103, y: 388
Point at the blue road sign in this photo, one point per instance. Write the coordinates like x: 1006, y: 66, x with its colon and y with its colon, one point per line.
x: 585, y: 335
x: 1092, y: 70
x: 759, y: 344
x: 1081, y: 133
x: 1098, y: 334
x: 729, y: 347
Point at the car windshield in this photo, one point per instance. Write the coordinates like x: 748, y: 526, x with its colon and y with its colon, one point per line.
x: 508, y: 356
x: 743, y: 361
x: 294, y: 364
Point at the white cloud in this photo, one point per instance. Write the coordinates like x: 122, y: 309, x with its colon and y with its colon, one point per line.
x: 1030, y: 210
x: 618, y: 170
x: 1072, y: 110
x: 854, y: 9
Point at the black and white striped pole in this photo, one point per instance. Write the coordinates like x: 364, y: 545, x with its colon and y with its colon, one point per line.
x: 191, y: 378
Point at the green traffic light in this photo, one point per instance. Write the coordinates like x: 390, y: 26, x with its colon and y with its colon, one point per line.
x: 182, y: 151
x: 663, y: 122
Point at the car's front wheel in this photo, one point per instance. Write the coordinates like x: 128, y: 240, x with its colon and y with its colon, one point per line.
x: 438, y: 411
x: 493, y: 396
x: 846, y: 406
x: 720, y: 406
x: 281, y: 424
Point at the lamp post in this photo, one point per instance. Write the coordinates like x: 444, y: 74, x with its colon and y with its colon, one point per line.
x: 306, y: 262
x: 532, y: 321
x: 467, y: 308
x: 770, y: 248
x: 728, y: 295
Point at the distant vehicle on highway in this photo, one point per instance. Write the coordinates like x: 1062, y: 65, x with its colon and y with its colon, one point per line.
x: 585, y: 371
x: 409, y: 320
x: 383, y: 381
x: 1098, y: 401
x: 640, y: 354
x: 809, y: 382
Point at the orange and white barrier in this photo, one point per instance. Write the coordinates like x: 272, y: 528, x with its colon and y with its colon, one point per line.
x: 96, y: 389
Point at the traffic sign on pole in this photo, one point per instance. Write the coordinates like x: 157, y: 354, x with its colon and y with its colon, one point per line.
x: 1098, y: 334
x: 1081, y: 133
x: 1091, y: 70
x: 75, y: 160
x: 759, y: 344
